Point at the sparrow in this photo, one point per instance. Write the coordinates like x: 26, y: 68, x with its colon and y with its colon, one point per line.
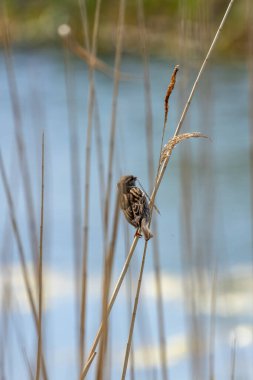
x: 134, y: 205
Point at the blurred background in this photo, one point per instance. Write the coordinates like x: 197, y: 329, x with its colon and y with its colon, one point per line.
x: 91, y: 77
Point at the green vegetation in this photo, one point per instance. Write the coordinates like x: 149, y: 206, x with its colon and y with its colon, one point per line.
x: 35, y: 21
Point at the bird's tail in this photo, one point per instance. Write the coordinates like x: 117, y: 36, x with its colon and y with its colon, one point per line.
x: 145, y: 229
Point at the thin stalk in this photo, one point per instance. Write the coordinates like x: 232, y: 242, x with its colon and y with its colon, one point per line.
x: 40, y: 269
x: 87, y: 189
x: 112, y: 300
x: 98, y: 64
x: 106, y: 288
x: 249, y: 11
x: 134, y: 313
x: 129, y: 298
x: 100, y: 159
x: 21, y: 251
x: 212, y: 327
x: 5, y: 307
x: 186, y: 195
x: 158, y: 182
x: 20, y: 340
x: 114, y: 112
x: 99, y: 145
x: 18, y: 124
x: 150, y: 160
x: 85, y: 24
x: 233, y: 360
x: 75, y: 181
x: 203, y: 67
x: 87, y: 367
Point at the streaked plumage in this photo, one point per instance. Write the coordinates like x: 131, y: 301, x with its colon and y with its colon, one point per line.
x: 134, y: 205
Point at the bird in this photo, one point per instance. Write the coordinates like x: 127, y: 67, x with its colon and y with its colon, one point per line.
x: 134, y: 204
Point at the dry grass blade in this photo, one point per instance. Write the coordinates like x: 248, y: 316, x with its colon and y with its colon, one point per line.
x: 168, y: 148
x: 40, y: 268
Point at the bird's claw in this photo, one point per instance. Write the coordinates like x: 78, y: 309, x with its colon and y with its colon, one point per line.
x: 138, y: 234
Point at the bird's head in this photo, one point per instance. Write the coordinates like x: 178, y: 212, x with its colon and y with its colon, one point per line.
x: 126, y: 182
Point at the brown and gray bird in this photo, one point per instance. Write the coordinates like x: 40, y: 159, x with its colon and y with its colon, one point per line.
x: 134, y: 205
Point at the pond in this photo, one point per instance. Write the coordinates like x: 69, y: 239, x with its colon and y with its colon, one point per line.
x: 204, y: 230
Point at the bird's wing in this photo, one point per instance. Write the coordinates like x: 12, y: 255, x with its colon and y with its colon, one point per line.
x: 124, y: 201
x: 138, y: 203
x: 125, y: 204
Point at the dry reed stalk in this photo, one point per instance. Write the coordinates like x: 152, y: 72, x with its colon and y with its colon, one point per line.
x: 99, y: 145
x: 85, y: 23
x: 117, y: 63
x: 186, y: 201
x: 158, y: 182
x: 21, y: 251
x: 112, y: 300
x: 6, y: 256
x: 134, y: 313
x: 100, y: 155
x: 233, y: 359
x: 204, y: 257
x: 160, y: 305
x: 18, y: 125
x: 87, y: 188
x: 150, y: 161
x: 40, y: 267
x: 20, y: 340
x: 106, y: 288
x: 129, y: 297
x: 75, y: 179
x: 96, y: 63
x: 187, y: 258
x: 25, y: 175
x: 212, y: 327
x: 5, y: 307
x: 249, y: 13
x: 88, y: 364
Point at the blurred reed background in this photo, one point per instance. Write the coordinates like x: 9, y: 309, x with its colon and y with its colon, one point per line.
x: 82, y: 89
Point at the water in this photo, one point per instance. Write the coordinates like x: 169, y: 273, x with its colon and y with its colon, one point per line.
x: 218, y: 192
